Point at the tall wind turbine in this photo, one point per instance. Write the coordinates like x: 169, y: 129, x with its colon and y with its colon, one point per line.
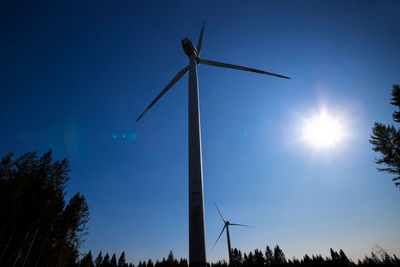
x: 197, y: 243
x: 226, y: 226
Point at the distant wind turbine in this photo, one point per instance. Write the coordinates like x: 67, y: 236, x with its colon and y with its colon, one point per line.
x: 226, y: 226
x: 197, y: 242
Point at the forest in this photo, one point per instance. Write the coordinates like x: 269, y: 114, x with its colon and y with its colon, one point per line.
x: 38, y: 227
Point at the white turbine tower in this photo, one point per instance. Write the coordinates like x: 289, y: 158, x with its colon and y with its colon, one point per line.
x: 197, y: 242
x: 228, y: 238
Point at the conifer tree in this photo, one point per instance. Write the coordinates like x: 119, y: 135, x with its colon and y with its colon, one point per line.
x: 386, y: 140
x: 121, y: 260
x: 87, y: 260
x: 113, y: 262
x: 344, y: 261
x: 258, y: 258
x: 106, y: 261
x: 269, y: 256
x: 279, y: 257
x: 98, y: 260
x: 237, y: 258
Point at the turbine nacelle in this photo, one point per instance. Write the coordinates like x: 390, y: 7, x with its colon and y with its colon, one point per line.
x: 189, y: 48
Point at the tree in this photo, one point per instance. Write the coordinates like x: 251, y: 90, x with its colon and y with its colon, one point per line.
x: 113, y: 262
x: 343, y: 258
x: 99, y: 260
x: 106, y: 261
x: 121, y: 260
x: 170, y: 257
x: 237, y: 258
x: 335, y: 256
x: 73, y: 228
x: 279, y: 256
x: 269, y: 256
x: 87, y: 260
x: 258, y: 258
x: 386, y: 140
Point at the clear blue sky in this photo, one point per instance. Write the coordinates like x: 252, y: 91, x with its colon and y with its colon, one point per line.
x: 76, y: 74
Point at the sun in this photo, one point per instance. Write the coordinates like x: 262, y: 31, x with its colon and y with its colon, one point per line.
x: 323, y: 131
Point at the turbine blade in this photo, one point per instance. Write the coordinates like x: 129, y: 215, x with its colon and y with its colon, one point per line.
x: 169, y: 85
x: 219, y: 236
x: 231, y: 66
x: 239, y: 224
x: 220, y: 214
x: 200, y: 39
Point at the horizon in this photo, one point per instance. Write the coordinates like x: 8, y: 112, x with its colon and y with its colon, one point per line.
x: 76, y: 76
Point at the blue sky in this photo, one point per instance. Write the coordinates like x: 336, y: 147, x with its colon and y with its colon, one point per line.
x: 75, y: 76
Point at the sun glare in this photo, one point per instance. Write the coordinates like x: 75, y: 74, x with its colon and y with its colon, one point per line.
x: 323, y: 131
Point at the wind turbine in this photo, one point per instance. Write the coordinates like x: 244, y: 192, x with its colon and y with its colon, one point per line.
x: 197, y: 243
x: 226, y: 226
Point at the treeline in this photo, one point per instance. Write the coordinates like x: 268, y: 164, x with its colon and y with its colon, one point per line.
x: 37, y: 227
x: 106, y: 261
x: 256, y: 258
x: 276, y: 257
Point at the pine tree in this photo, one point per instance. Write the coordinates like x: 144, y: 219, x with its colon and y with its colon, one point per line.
x: 121, y: 260
x: 87, y: 260
x: 98, y: 260
x: 386, y: 140
x: 269, y: 257
x: 343, y: 258
x: 237, y: 258
x: 171, y: 257
x: 279, y: 257
x: 113, y: 262
x: 258, y: 258
x: 106, y: 261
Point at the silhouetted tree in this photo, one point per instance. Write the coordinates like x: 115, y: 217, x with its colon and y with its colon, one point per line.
x: 258, y: 258
x: 171, y: 257
x: 237, y: 258
x: 335, y: 258
x: 121, y: 260
x: 183, y: 263
x: 279, y: 257
x: 344, y: 261
x: 72, y: 229
x: 98, y: 260
x: 218, y: 264
x: 113, y: 261
x: 269, y: 256
x: 386, y: 140
x: 248, y: 260
x: 106, y: 261
x: 87, y: 260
